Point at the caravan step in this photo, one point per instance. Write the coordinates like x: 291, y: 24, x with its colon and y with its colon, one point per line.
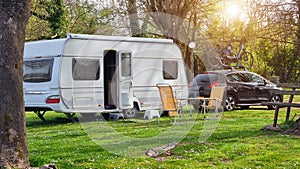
x: 149, y: 114
x: 116, y: 116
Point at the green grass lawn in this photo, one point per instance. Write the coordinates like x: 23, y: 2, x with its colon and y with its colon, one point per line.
x: 295, y: 99
x: 237, y: 142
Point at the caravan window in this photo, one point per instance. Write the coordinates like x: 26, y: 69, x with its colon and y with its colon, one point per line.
x: 39, y: 70
x: 170, y: 69
x: 85, y: 69
x: 126, y: 64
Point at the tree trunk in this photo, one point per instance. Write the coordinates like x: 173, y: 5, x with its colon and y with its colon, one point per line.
x: 13, y: 144
x: 133, y: 17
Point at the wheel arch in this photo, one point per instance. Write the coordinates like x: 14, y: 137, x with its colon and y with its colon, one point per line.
x: 232, y: 94
x: 274, y: 94
x: 136, y: 103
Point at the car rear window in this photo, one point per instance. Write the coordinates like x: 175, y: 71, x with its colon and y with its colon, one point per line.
x: 206, y: 78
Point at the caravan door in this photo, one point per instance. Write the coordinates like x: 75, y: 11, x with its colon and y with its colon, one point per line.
x: 125, y: 79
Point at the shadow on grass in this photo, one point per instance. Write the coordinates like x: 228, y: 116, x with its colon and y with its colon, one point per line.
x: 252, y: 108
x: 233, y: 136
x: 53, y: 118
x: 50, y: 122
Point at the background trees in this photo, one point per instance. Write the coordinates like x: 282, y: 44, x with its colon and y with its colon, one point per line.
x: 52, y: 19
x: 271, y: 27
x: 274, y: 27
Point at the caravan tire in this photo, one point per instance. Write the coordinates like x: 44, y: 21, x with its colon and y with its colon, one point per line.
x: 131, y: 113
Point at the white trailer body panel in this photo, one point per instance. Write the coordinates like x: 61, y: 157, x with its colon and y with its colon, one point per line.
x: 42, y: 61
x: 104, y: 73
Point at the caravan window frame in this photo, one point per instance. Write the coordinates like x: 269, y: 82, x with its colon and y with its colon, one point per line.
x: 126, y: 64
x: 86, y: 63
x: 38, y: 70
x: 170, y: 69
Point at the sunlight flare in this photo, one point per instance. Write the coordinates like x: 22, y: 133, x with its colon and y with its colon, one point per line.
x: 233, y: 11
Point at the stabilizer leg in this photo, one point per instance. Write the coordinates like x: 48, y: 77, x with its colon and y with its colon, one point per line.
x: 71, y: 117
x: 40, y: 115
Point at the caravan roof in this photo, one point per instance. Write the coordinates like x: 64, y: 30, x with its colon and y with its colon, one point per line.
x: 37, y: 48
x: 119, y: 38
x: 55, y: 47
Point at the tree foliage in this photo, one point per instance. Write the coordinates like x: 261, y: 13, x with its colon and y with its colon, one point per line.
x: 52, y: 19
x: 279, y: 29
x: 271, y: 27
x: 50, y: 14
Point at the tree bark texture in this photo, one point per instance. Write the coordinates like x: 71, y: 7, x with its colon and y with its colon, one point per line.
x: 13, y: 144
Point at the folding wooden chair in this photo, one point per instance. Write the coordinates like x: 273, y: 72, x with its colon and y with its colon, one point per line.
x: 214, y: 101
x: 169, y: 102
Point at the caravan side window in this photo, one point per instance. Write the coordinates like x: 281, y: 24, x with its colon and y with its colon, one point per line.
x: 38, y: 70
x: 170, y: 69
x: 126, y: 64
x: 85, y: 69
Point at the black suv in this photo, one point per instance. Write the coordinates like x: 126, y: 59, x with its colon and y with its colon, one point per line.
x: 243, y: 88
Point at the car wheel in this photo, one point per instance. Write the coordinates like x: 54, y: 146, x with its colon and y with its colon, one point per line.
x: 274, y: 98
x: 131, y: 113
x: 230, y: 103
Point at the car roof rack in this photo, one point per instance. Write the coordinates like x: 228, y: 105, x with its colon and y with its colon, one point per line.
x: 226, y: 67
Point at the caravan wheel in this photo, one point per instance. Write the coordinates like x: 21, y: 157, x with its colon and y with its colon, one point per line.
x: 131, y: 113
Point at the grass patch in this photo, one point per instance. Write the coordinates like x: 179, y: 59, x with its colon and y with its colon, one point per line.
x: 237, y: 142
x: 295, y: 99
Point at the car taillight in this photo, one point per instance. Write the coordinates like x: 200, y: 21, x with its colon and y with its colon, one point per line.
x: 53, y: 100
x: 216, y: 83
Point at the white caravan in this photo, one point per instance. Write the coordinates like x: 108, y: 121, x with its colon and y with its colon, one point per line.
x: 94, y: 73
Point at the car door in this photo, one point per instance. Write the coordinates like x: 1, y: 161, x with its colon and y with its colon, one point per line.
x: 237, y: 86
x: 259, y: 87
